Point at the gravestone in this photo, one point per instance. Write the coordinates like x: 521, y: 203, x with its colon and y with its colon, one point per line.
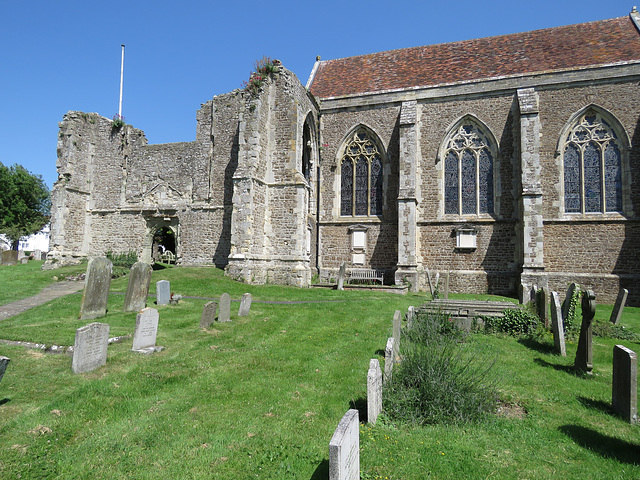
x: 446, y: 284
x: 9, y: 257
x: 209, y: 312
x: 21, y: 254
x: 146, y: 332
x: 567, y: 300
x: 542, y: 303
x: 389, y: 358
x: 624, y: 397
x: 24, y: 260
x: 557, y: 325
x: 4, y: 362
x: 341, y: 274
x: 90, y: 347
x: 245, y: 305
x: 138, y: 287
x: 584, y: 355
x: 430, y: 283
x: 616, y: 314
x: 344, y: 448
x: 411, y: 315
x: 37, y: 254
x: 374, y: 391
x: 397, y: 329
x: 163, y: 292
x: 96, y: 289
x: 436, y: 286
x: 224, y: 312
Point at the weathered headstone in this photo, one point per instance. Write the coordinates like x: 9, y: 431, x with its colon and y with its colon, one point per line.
x: 584, y: 354
x: 436, y: 286
x: 24, y: 260
x: 209, y: 312
x: 411, y: 315
x: 138, y: 287
x: 96, y: 289
x: 163, y: 292
x: 389, y: 358
x: 90, y: 347
x: 616, y: 314
x: 567, y: 300
x: 146, y: 332
x: 624, y: 397
x: 4, y: 361
x: 224, y: 311
x: 37, y: 254
x: 21, y: 254
x: 245, y: 305
x: 446, y: 284
x: 9, y: 257
x: 344, y: 448
x: 341, y: 274
x: 557, y: 325
x: 374, y: 391
x: 430, y: 283
x: 543, y: 305
x: 397, y: 329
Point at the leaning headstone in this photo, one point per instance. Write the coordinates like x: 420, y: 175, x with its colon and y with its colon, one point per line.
x: 411, y: 315
x: 146, y: 332
x: 96, y: 289
x: 389, y: 358
x: 397, y: 328
x: 341, y: 274
x: 567, y: 300
x: 584, y: 354
x: 163, y: 292
x: 224, y: 313
x: 138, y: 287
x: 374, y: 391
x: 543, y: 305
x: 9, y: 257
x: 4, y: 361
x: 245, y: 305
x: 344, y: 448
x: 90, y: 347
x: 624, y: 398
x: 208, y: 314
x: 557, y: 325
x: 616, y: 314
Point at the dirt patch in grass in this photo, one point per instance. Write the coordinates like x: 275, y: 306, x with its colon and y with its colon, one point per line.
x: 511, y: 410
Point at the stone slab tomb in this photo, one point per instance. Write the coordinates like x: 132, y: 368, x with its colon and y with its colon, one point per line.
x: 344, y: 449
x: 374, y: 391
x: 209, y: 312
x: 4, y: 362
x: 90, y: 347
x: 224, y: 312
x: 163, y: 292
x: 245, y: 305
x: 138, y: 287
x: 616, y: 314
x: 557, y: 325
x: 624, y: 397
x: 96, y: 289
x: 144, y: 337
x: 9, y: 257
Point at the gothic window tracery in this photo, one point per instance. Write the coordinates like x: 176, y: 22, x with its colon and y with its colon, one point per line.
x: 468, y: 171
x: 361, y: 176
x: 592, y: 160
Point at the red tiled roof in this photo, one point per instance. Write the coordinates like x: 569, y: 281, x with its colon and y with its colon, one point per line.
x: 581, y: 45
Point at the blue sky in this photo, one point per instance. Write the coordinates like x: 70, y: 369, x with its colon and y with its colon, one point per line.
x: 64, y: 55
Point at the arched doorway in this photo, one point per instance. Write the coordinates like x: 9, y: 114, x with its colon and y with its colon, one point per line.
x: 164, y: 245
x: 162, y: 240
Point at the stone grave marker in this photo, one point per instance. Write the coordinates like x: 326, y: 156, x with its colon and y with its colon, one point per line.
x: 209, y: 312
x: 436, y: 286
x: 90, y: 347
x: 411, y: 315
x: 567, y: 300
x: 96, y: 289
x: 245, y: 305
x: 138, y: 287
x: 374, y: 391
x: 616, y: 314
x: 430, y: 283
x: 344, y: 449
x: 397, y: 329
x: 341, y: 274
x: 4, y: 362
x: 389, y: 358
x: 24, y: 260
x: 624, y: 397
x: 543, y: 305
x: 557, y: 325
x: 584, y: 354
x: 146, y: 332
x: 21, y: 254
x: 9, y: 257
x: 37, y: 254
x: 224, y: 311
x: 163, y: 292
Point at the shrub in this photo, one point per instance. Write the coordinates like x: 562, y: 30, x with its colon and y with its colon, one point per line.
x: 122, y: 262
x: 440, y: 379
x: 514, y: 322
x: 609, y: 330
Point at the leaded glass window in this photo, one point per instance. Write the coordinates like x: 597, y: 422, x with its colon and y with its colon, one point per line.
x: 592, y: 167
x: 361, y: 176
x: 468, y: 171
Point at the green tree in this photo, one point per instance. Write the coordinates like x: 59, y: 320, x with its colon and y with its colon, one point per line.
x: 25, y: 203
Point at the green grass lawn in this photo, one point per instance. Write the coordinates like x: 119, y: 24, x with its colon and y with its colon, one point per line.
x: 260, y: 397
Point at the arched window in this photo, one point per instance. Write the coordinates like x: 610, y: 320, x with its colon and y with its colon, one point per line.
x: 468, y: 171
x: 592, y: 160
x: 361, y: 176
x: 307, y: 150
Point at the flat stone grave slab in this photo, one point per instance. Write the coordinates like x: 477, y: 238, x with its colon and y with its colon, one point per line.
x: 96, y: 289
x: 90, y: 347
x: 344, y: 449
x: 138, y: 287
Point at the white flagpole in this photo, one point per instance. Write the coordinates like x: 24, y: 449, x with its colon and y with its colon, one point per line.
x: 121, y: 81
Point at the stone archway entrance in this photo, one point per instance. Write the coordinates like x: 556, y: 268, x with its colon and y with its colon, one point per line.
x: 162, y: 241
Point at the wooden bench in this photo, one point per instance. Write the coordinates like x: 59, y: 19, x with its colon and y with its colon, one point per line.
x: 366, y: 275
x: 168, y: 257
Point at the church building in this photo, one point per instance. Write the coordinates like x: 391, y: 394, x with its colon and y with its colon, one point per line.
x: 508, y: 161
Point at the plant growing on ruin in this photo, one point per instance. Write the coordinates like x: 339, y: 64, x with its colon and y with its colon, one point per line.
x: 263, y: 68
x: 118, y: 122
